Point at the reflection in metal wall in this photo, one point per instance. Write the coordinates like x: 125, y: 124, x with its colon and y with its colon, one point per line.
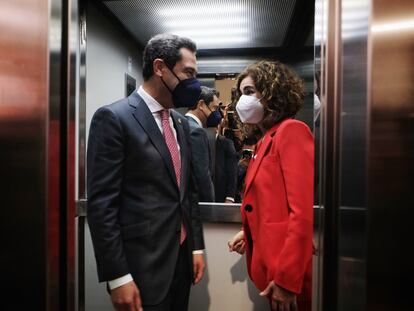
x: 23, y: 145
x: 318, y: 223
x: 390, y: 269
x: 36, y: 132
x: 80, y: 174
x: 27, y: 202
x: 367, y: 160
x: 327, y: 35
x: 352, y: 173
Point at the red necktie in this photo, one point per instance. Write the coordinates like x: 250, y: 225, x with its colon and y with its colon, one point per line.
x: 175, y: 156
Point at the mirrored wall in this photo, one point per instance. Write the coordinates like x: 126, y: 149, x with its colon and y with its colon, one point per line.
x: 229, y: 37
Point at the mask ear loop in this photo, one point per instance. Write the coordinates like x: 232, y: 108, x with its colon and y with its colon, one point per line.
x: 165, y: 84
x: 207, y: 108
x: 172, y: 71
x: 173, y: 74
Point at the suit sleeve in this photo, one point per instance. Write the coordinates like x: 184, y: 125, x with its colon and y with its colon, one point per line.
x: 197, y: 225
x: 201, y: 163
x: 104, y: 177
x: 231, y: 169
x: 296, y: 153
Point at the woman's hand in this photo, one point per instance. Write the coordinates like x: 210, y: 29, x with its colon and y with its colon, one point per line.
x: 237, y: 243
x: 280, y: 298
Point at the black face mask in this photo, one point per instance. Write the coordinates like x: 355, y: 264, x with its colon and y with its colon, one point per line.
x: 214, y: 118
x: 186, y: 93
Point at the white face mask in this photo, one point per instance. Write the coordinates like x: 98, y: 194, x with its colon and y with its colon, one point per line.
x: 249, y: 109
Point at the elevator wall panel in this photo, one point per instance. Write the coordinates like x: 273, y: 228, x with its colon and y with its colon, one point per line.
x: 390, y: 269
x: 352, y: 175
x: 24, y: 113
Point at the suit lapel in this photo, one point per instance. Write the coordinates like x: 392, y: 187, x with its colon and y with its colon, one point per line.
x: 177, y: 119
x: 145, y: 118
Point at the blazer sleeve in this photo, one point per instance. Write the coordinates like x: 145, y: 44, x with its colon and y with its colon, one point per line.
x: 104, y: 177
x: 201, y: 164
x: 231, y: 169
x: 296, y: 153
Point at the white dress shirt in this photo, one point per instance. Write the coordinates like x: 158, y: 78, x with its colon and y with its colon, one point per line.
x: 155, y: 108
x: 195, y: 118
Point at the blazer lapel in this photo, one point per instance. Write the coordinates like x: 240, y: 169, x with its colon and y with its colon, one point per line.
x: 145, y: 118
x: 177, y: 119
x: 255, y: 163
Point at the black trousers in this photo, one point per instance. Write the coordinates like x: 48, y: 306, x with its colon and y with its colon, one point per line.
x: 179, y: 293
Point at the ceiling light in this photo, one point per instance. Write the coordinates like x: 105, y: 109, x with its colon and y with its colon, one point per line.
x: 221, y: 40
x: 196, y: 23
x: 207, y: 32
x: 225, y: 9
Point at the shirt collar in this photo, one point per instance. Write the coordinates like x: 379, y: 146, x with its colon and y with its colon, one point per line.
x: 189, y: 114
x: 152, y: 104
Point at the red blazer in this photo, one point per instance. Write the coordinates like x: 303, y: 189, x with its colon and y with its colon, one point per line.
x: 277, y: 209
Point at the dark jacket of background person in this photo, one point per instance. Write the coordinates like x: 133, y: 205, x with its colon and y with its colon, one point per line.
x: 202, y: 162
x: 277, y: 209
x: 241, y: 175
x: 225, y: 172
x: 135, y: 206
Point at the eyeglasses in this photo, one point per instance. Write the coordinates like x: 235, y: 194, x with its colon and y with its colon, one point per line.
x: 215, y: 109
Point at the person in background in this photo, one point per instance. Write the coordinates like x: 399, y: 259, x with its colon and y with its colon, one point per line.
x: 205, y: 113
x: 225, y: 162
x: 142, y: 201
x: 245, y: 158
x: 277, y: 208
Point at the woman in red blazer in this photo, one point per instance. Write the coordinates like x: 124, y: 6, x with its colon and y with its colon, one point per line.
x: 277, y: 209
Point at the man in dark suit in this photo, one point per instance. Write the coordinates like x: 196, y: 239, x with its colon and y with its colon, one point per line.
x: 225, y: 172
x: 142, y: 203
x: 205, y: 114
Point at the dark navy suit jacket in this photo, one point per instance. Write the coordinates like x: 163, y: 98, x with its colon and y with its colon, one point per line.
x: 203, y: 166
x: 225, y: 172
x: 135, y: 207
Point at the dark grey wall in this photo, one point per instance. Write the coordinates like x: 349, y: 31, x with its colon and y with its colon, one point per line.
x: 109, y: 54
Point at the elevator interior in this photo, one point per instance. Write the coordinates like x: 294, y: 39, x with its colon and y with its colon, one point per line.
x: 117, y: 31
x: 60, y: 60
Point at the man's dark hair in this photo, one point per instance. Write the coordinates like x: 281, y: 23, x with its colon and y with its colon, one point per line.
x: 166, y: 47
x: 207, y: 94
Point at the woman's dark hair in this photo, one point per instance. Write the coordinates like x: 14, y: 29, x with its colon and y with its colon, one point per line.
x: 166, y: 47
x: 281, y: 88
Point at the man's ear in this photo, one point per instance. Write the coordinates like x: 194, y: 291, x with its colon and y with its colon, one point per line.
x: 158, y: 65
x: 200, y: 103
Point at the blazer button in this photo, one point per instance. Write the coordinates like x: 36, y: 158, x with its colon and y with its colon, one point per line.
x: 248, y: 208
